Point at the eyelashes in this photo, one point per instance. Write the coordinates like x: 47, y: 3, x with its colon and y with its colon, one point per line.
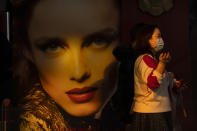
x: 95, y: 41
x: 100, y: 40
x: 52, y: 45
x: 98, y: 43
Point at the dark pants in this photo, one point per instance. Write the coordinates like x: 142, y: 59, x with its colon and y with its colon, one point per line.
x: 151, y: 122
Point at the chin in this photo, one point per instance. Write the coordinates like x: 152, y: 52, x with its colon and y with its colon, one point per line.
x: 81, y: 110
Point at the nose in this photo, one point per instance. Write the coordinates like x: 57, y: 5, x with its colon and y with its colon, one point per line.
x: 82, y: 78
x: 79, y: 68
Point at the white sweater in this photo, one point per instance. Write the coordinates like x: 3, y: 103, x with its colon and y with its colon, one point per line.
x: 151, y: 87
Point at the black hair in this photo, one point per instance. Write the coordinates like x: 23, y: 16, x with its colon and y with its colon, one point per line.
x: 134, y: 31
x: 142, y: 40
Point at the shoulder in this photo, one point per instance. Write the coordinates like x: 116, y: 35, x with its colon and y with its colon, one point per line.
x: 40, y: 111
x: 28, y: 121
x: 35, y: 98
x: 149, y: 61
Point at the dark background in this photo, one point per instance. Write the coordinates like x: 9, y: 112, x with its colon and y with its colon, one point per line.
x: 179, y: 30
x: 193, y: 47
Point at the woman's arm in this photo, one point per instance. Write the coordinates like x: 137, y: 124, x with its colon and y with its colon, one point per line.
x: 145, y: 67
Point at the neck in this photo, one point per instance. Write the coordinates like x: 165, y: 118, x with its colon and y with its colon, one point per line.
x: 153, y: 51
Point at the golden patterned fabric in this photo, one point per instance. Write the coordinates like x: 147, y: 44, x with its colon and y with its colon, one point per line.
x: 39, y: 112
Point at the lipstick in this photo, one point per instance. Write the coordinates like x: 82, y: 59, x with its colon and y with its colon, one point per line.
x: 80, y: 95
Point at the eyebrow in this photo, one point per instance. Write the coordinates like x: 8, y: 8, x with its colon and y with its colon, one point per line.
x: 108, y: 34
x: 43, y: 42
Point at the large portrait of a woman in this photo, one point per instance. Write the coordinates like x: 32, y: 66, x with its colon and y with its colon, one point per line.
x: 64, y: 61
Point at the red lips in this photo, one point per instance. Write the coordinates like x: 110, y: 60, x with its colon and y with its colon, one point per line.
x: 80, y: 95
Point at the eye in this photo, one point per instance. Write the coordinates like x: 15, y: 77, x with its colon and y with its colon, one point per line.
x: 100, y: 40
x: 99, y: 43
x: 159, y: 35
x: 52, y: 46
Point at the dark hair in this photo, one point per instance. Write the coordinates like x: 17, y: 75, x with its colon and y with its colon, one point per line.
x: 142, y: 40
x: 24, y: 71
x: 134, y: 31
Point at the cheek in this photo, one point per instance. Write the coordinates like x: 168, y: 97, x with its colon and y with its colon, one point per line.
x: 101, y: 59
x: 47, y: 65
x: 103, y: 67
x: 153, y: 43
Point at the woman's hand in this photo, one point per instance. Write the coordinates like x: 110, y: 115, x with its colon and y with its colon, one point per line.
x: 165, y: 57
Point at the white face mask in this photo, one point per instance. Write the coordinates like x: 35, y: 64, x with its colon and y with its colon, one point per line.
x: 160, y: 45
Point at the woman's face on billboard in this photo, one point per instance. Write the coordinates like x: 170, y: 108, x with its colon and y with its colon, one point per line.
x: 72, y: 43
